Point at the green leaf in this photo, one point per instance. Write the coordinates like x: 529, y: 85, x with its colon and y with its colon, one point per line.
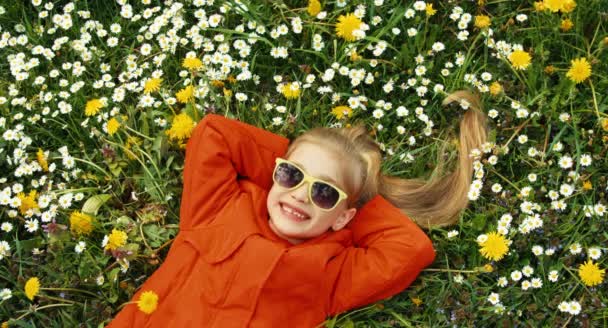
x: 92, y: 205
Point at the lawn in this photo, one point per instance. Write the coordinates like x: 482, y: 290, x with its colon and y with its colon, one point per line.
x: 98, y: 99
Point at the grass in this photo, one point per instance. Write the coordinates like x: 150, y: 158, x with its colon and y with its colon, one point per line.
x: 132, y: 180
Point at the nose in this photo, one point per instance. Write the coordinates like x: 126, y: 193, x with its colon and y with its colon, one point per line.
x: 301, y: 193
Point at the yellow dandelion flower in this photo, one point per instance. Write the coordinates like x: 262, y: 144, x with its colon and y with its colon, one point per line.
x: 539, y: 6
x: 354, y: 56
x: 494, y: 247
x: 32, y: 288
x: 553, y: 5
x: 81, y: 223
x: 579, y: 71
x: 290, y: 90
x: 42, y: 160
x: 340, y: 111
x: 549, y: 69
x: 227, y: 92
x: 147, y: 302
x: 520, y: 59
x: 568, y: 6
x: 116, y: 239
x: 488, y: 267
x: 417, y: 301
x: 587, y: 185
x: 131, y: 140
x: 314, y: 7
x: 217, y: 83
x: 429, y: 9
x: 495, y: 88
x: 152, y: 85
x: 192, y: 63
x: 27, y: 202
x: 604, y: 123
x: 92, y: 107
x: 185, y: 95
x: 4, y: 324
x: 181, y: 127
x: 113, y: 126
x: 482, y: 21
x: 231, y: 79
x: 566, y: 25
x: 346, y: 25
x: 590, y: 273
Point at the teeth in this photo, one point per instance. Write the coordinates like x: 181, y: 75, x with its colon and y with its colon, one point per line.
x: 289, y: 210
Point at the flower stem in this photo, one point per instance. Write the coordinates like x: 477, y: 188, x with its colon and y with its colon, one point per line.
x: 41, y: 308
x: 70, y: 289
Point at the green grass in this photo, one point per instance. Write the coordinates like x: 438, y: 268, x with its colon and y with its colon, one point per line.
x: 454, y: 290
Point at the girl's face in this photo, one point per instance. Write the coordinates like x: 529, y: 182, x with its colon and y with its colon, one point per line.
x: 319, y: 163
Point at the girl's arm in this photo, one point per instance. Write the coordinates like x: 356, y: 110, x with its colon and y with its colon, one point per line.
x: 390, y: 251
x: 219, y: 151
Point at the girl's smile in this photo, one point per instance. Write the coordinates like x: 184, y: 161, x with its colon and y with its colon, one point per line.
x: 292, y: 215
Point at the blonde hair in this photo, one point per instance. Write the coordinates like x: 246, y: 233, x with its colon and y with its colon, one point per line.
x: 436, y: 202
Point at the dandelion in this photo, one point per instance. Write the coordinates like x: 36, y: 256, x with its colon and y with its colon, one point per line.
x: 341, y: 111
x: 482, y: 21
x: 227, y: 92
x: 42, y: 160
x: 568, y: 6
x: 579, y: 71
x: 566, y: 25
x: 32, y: 287
x: 495, y: 88
x: 494, y: 247
x: 181, y: 127
x: 553, y: 5
x: 92, y: 107
x: 520, y: 59
x: 290, y: 90
x: 81, y: 223
x: 116, y: 239
x: 346, y: 25
x: 314, y: 7
x: 429, y: 9
x: 147, y: 302
x: 590, y: 273
x: 152, y: 85
x: 192, y: 63
x: 539, y: 6
x: 113, y: 126
x: 27, y: 202
x: 185, y: 95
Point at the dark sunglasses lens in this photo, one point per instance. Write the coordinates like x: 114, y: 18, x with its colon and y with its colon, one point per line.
x: 288, y: 175
x: 324, y: 195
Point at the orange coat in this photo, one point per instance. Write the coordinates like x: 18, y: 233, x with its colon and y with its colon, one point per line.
x: 227, y: 268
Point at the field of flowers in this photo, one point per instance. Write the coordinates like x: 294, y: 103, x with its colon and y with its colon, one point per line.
x: 98, y: 98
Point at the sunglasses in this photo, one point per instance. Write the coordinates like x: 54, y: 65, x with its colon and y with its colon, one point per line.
x: 323, y: 195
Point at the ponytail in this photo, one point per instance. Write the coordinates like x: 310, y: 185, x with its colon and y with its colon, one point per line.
x: 433, y: 203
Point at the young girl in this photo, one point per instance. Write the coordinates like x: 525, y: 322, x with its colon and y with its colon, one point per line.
x: 274, y: 234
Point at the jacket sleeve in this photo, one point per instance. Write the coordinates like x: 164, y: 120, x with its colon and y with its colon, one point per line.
x: 219, y: 151
x: 389, y: 252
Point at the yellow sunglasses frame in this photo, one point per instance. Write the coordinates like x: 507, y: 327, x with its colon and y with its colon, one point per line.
x: 310, y: 180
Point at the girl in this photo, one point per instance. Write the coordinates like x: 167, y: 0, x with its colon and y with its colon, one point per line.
x: 274, y: 234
